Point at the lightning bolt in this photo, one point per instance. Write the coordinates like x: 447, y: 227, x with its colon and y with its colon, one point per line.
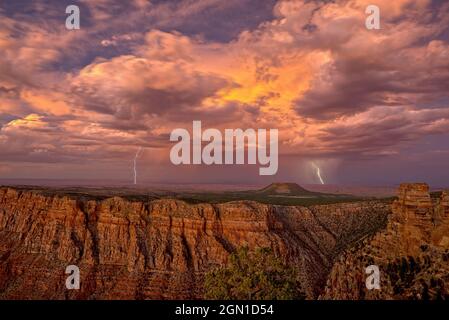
x: 318, y: 172
x: 135, y: 160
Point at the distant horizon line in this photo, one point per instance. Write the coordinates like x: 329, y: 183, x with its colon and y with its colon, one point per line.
x: 123, y: 183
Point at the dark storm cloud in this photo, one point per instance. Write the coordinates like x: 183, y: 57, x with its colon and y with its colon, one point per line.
x: 130, y: 87
x: 387, y: 72
x: 355, y: 85
x: 137, y: 69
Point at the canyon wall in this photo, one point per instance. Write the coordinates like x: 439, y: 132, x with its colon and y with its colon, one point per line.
x: 161, y: 249
x: 412, y: 253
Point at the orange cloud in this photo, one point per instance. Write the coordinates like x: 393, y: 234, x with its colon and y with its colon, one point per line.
x: 314, y: 71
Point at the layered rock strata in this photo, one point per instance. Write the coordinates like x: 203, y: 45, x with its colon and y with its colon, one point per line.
x: 412, y: 252
x: 161, y: 249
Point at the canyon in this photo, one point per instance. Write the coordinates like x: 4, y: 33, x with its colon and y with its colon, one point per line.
x: 412, y: 252
x: 162, y: 248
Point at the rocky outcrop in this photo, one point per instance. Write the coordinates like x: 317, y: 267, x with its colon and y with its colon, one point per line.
x: 412, y: 252
x: 161, y: 249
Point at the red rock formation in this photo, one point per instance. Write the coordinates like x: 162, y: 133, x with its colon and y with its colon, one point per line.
x: 440, y: 235
x: 414, y: 203
x: 160, y: 249
x: 412, y: 253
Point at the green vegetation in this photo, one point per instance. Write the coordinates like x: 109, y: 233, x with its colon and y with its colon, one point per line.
x: 285, y: 194
x: 253, y: 275
x: 274, y: 200
x: 415, y: 278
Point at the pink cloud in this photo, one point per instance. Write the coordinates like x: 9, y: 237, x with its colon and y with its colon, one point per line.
x: 333, y: 88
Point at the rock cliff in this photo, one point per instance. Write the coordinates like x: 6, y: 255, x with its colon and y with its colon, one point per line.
x: 161, y: 249
x: 412, y: 252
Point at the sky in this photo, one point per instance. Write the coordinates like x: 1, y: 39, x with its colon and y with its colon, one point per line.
x: 368, y: 107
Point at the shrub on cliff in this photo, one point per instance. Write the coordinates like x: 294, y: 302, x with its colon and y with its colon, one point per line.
x: 253, y: 275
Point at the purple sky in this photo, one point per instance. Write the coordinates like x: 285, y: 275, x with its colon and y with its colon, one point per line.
x: 368, y: 107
